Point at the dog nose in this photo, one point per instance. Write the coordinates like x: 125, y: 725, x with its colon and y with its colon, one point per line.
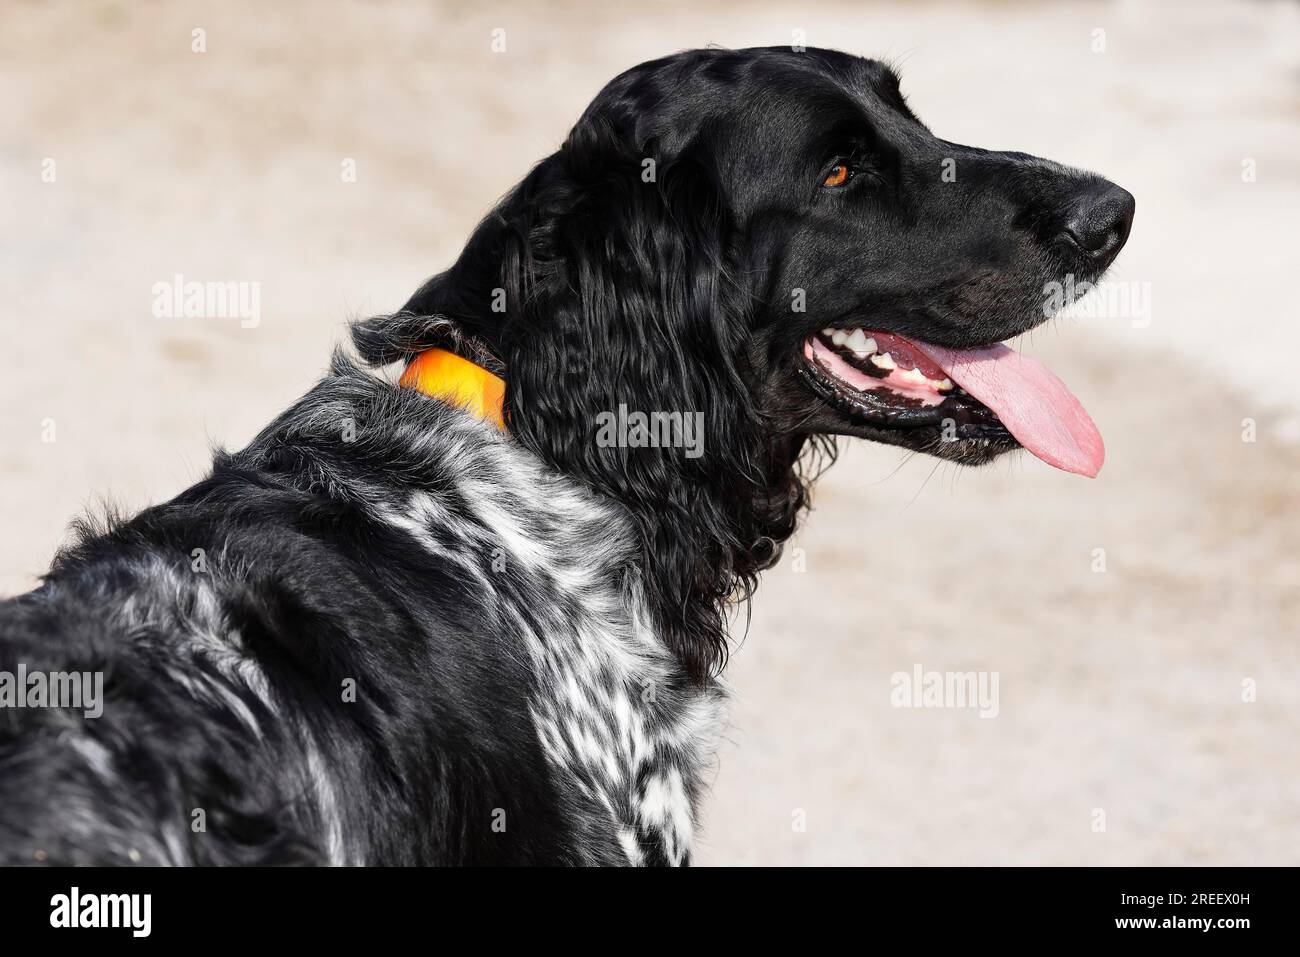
x: 1099, y: 219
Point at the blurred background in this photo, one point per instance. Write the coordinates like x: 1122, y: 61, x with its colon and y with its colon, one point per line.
x: 1144, y: 627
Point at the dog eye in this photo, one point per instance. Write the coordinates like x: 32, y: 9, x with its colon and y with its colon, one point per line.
x: 838, y: 175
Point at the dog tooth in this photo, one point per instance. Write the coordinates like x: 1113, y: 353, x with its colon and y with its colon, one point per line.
x: 828, y: 332
x: 839, y: 337
x: 884, y: 361
x: 870, y: 346
x: 944, y: 384
x: 857, y: 341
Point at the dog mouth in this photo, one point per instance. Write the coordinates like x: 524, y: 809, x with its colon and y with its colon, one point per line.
x: 990, y: 396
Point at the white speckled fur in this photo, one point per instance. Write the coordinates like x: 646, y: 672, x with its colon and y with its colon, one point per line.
x: 613, y: 712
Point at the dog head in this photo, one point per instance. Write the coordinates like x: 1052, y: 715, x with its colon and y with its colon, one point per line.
x: 764, y: 248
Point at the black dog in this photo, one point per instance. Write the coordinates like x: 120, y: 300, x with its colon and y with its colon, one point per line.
x: 391, y: 632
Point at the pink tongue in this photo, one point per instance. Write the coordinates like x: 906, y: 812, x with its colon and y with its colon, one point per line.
x: 1030, y: 401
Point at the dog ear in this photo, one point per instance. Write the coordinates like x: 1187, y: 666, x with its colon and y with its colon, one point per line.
x: 624, y: 304
x: 623, y: 295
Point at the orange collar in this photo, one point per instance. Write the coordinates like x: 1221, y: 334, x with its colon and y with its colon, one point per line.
x: 456, y: 381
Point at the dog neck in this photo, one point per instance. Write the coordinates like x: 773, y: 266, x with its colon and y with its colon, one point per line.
x: 698, y: 558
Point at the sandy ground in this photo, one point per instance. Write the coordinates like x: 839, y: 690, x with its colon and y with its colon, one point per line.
x: 1120, y: 690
